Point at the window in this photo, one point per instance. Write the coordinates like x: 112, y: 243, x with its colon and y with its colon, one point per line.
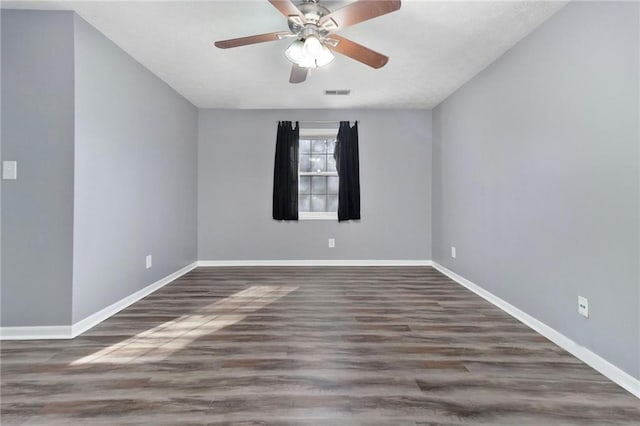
x: 317, y: 176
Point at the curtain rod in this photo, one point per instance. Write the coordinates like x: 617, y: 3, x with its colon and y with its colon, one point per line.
x: 317, y: 122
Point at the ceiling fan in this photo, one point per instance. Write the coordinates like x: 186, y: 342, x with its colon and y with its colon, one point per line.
x: 313, y: 27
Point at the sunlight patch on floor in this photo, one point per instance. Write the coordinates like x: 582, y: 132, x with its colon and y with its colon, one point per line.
x: 157, y: 343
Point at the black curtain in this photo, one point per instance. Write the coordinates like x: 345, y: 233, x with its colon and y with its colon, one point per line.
x: 348, y: 166
x: 285, y: 173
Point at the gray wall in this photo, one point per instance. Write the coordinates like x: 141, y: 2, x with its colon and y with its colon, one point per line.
x: 135, y: 175
x: 536, y: 177
x: 37, y: 131
x: 0, y: 163
x: 235, y: 184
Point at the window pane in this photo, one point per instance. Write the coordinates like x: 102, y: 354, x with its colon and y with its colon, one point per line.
x: 318, y: 163
x: 304, y: 184
x: 305, y: 146
x: 332, y: 184
x: 305, y: 163
x: 331, y: 146
x: 331, y: 163
x: 332, y: 203
x: 304, y: 203
x: 318, y: 147
x: 318, y: 185
x: 318, y: 203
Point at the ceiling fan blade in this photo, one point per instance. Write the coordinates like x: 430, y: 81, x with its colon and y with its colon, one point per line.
x: 359, y: 52
x: 298, y: 74
x: 357, y: 12
x: 288, y: 9
x: 243, y: 41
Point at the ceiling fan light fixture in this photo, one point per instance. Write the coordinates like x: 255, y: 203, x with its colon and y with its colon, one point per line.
x: 297, y: 54
x: 301, y: 56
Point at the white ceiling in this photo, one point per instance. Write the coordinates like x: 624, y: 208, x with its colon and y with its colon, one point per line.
x: 434, y: 48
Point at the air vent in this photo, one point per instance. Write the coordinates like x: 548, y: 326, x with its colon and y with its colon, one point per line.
x: 337, y: 92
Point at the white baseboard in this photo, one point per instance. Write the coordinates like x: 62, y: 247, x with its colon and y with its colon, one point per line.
x: 71, y: 331
x: 328, y: 262
x: 590, y: 358
x: 35, y: 333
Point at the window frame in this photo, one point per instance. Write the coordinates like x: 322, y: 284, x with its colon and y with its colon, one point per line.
x: 316, y: 134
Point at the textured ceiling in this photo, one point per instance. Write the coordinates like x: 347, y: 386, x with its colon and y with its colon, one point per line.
x: 434, y: 48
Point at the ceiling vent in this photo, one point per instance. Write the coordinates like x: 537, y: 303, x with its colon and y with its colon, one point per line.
x: 337, y: 92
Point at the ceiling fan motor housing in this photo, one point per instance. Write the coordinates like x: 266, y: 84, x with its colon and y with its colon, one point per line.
x: 312, y: 12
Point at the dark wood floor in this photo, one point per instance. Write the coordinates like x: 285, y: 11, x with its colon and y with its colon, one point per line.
x: 331, y: 346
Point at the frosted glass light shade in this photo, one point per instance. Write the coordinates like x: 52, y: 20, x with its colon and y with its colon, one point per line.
x: 312, y: 46
x: 324, y: 57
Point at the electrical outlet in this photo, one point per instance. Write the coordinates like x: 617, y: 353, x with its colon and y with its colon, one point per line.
x: 453, y: 252
x: 583, y: 306
x: 149, y: 261
x: 332, y: 242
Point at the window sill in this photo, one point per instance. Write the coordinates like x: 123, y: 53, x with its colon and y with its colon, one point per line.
x: 318, y: 216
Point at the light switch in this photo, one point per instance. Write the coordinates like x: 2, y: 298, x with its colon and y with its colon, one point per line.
x: 10, y: 170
